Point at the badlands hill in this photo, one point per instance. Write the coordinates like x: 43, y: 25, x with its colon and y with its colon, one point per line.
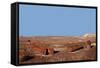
x: 35, y: 49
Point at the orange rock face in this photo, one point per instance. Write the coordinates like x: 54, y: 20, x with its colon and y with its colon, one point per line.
x: 47, y: 49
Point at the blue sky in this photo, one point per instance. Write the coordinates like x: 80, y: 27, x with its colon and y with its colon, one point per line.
x: 35, y: 20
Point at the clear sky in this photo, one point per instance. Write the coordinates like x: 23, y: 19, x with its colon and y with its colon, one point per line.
x: 55, y: 21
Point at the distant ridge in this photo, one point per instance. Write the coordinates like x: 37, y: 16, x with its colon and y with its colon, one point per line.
x: 89, y: 35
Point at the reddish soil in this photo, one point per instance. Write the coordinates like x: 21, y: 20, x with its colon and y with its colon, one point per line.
x: 55, y: 49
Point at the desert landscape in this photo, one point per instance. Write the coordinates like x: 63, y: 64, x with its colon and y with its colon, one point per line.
x: 43, y: 49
